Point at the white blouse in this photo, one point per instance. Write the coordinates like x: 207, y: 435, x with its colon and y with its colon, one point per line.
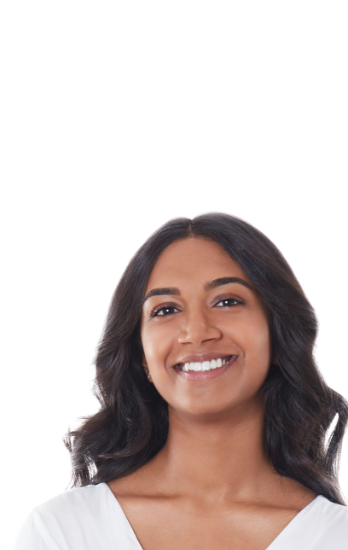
x: 90, y: 518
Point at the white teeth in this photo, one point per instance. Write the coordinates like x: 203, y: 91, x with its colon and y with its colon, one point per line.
x: 206, y: 365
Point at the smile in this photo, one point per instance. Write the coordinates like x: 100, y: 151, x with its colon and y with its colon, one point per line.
x: 206, y: 369
x: 205, y: 365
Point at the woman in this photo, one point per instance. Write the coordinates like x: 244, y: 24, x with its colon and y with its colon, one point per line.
x: 213, y: 415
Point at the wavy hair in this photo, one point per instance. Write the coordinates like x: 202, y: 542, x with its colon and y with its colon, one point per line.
x: 131, y: 425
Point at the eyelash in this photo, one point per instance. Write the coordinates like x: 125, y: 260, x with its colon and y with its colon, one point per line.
x: 155, y: 312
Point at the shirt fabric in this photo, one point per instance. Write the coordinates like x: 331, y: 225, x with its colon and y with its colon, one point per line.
x: 90, y: 518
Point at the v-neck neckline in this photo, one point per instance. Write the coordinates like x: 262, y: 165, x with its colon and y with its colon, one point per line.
x: 130, y: 530
x: 273, y: 546
x: 305, y: 511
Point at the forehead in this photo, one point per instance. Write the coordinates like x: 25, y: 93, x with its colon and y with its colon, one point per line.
x: 192, y: 259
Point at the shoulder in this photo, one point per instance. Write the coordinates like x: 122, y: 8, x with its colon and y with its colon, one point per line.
x: 81, y: 518
x: 75, y: 505
x: 330, y: 517
x: 321, y: 525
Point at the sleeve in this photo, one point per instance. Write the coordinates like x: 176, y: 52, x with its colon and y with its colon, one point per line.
x: 36, y: 534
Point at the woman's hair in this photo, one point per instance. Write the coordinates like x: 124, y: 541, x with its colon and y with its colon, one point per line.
x: 131, y: 425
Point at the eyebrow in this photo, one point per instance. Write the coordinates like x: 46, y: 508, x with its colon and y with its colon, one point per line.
x: 173, y: 291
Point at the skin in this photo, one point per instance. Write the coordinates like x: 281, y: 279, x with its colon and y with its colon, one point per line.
x: 214, y: 453
x: 212, y: 485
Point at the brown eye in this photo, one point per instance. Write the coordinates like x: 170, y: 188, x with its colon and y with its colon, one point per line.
x: 227, y: 302
x: 163, y: 311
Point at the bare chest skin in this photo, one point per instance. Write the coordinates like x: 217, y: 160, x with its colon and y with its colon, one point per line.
x: 172, y: 522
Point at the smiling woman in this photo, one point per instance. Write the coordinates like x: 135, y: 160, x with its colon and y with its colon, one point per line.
x: 213, y: 416
x: 214, y: 324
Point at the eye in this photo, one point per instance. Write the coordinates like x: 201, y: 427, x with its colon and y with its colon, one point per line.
x: 227, y: 302
x: 163, y: 311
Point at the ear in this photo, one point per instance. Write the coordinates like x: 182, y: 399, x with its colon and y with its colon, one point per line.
x: 143, y: 361
x: 146, y: 368
x: 274, y: 360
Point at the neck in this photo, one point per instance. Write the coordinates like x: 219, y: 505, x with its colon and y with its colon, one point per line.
x: 221, y: 456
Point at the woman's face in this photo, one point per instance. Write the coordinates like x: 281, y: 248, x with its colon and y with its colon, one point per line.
x: 205, y: 335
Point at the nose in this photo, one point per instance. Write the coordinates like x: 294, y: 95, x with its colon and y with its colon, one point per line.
x: 197, y: 328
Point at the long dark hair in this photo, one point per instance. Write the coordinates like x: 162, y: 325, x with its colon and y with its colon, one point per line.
x: 131, y: 425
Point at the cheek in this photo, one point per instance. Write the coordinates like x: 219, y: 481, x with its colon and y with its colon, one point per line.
x: 258, y: 348
x: 157, y: 342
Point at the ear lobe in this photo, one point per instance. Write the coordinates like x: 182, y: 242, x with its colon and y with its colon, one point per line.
x: 146, y: 368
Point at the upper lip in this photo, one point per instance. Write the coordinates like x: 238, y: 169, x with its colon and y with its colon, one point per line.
x: 200, y: 357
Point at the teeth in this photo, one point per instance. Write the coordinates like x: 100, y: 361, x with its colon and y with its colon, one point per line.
x: 206, y: 365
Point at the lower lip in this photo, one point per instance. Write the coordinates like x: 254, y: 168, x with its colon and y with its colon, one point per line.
x: 208, y: 374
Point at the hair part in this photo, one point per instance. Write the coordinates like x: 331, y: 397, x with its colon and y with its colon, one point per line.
x: 131, y: 425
